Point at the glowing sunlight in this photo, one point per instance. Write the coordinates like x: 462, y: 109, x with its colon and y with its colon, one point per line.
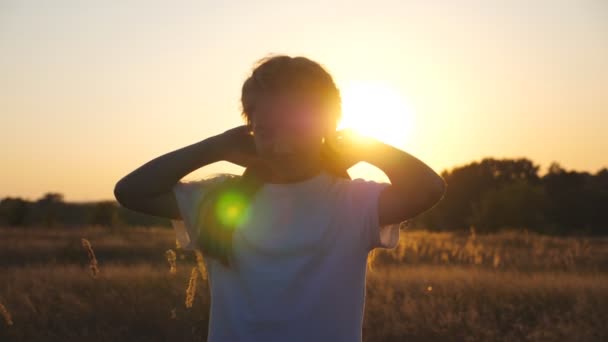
x: 376, y: 110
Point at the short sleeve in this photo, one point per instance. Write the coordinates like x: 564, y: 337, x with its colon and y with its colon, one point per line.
x: 363, y: 197
x: 189, y: 196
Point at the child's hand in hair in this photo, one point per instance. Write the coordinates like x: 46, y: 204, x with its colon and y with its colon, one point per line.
x: 238, y: 146
x: 347, y: 147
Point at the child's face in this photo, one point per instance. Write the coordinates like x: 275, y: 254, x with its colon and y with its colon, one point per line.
x: 288, y: 128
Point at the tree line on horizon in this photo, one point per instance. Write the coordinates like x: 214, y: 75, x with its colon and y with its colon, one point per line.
x: 489, y: 195
x: 495, y: 194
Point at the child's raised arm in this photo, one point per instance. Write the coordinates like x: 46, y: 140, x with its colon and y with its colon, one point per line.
x: 148, y: 189
x: 415, y: 187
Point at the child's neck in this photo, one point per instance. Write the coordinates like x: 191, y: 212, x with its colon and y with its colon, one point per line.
x: 293, y: 175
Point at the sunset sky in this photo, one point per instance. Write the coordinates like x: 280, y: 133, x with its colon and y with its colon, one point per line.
x: 92, y: 90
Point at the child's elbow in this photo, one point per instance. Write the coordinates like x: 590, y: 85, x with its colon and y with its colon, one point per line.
x: 437, y: 190
x: 121, y: 193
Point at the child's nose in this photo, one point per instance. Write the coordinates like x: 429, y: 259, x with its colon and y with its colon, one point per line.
x: 278, y: 129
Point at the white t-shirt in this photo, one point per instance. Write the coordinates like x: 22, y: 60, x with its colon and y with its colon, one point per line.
x: 299, y: 260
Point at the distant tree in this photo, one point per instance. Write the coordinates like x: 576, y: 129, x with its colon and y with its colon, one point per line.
x: 14, y: 211
x: 517, y: 204
x: 105, y: 213
x: 555, y: 169
x: 578, y: 200
x: 598, y: 203
x: 49, y: 206
x: 467, y: 184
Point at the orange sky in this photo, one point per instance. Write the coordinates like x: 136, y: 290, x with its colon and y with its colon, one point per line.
x: 92, y: 91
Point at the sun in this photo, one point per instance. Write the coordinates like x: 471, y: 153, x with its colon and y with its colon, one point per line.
x: 377, y: 110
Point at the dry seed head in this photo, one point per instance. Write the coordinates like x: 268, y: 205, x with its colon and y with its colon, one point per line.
x: 201, y: 264
x: 191, y: 290
x: 171, y: 257
x: 92, y: 260
x: 7, y: 315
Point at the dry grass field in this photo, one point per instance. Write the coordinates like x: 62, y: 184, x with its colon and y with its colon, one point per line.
x: 512, y: 286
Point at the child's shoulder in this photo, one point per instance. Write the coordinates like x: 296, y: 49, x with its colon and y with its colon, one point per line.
x: 359, y: 184
x: 202, y: 184
x: 358, y: 190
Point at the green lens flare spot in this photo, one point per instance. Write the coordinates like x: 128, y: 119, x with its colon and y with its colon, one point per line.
x: 232, y: 209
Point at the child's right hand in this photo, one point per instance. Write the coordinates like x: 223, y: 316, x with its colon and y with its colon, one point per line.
x: 238, y: 146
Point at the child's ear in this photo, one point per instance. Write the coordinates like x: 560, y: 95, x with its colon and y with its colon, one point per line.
x: 330, y: 131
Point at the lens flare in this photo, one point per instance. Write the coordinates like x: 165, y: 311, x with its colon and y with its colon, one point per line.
x: 232, y: 209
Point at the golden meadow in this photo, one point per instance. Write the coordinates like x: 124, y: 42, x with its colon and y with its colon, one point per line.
x: 62, y: 284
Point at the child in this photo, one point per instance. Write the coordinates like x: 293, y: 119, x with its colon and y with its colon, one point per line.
x: 285, y: 244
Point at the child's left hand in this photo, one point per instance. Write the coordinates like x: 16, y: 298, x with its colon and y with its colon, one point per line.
x: 346, y: 148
